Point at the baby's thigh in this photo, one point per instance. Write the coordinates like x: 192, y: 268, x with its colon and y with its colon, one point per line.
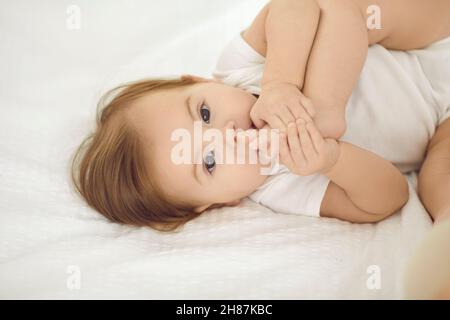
x: 442, y: 133
x: 434, y: 176
x: 405, y: 24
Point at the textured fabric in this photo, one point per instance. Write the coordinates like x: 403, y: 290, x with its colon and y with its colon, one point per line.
x: 285, y: 192
x: 435, y: 63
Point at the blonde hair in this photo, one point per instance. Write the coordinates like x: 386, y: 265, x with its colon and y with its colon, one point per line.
x: 109, y: 168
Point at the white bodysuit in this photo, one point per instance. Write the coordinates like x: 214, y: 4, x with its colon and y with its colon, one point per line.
x: 394, y: 110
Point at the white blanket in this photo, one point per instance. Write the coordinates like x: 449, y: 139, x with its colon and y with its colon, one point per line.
x: 51, y: 79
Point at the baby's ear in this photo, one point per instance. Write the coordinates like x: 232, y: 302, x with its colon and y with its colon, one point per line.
x: 198, y: 79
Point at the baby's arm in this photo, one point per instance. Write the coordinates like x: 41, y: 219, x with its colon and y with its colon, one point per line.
x: 284, y: 32
x: 335, y: 62
x: 318, y: 46
x: 290, y: 28
x: 364, y: 187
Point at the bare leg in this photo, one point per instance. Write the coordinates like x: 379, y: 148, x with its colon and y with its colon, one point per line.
x: 427, y: 273
x: 434, y: 177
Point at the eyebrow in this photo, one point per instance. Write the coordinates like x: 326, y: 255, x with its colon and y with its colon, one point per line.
x: 187, y: 104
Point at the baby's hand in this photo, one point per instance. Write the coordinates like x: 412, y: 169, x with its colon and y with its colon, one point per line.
x: 305, y: 152
x: 279, y: 104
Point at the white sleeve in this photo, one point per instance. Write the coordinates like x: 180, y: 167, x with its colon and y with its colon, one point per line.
x: 239, y: 65
x: 293, y: 194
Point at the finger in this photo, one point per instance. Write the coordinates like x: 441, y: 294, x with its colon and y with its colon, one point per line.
x: 299, y: 112
x: 285, y: 154
x: 307, y: 104
x: 258, y: 123
x: 294, y: 145
x: 257, y: 120
x: 316, y: 137
x: 285, y: 115
x: 305, y: 140
x: 276, y: 123
x: 264, y: 136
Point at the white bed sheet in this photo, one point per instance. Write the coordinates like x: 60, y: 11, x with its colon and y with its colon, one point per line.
x: 51, y: 80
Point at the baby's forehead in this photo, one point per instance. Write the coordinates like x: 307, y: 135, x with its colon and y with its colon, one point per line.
x: 154, y: 104
x: 157, y: 98
x: 156, y: 117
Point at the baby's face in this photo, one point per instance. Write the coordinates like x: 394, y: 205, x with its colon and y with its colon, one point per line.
x: 199, y: 183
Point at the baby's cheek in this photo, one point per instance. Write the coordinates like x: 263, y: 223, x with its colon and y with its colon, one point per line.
x: 246, y: 178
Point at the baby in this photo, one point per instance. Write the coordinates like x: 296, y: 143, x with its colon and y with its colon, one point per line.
x: 125, y: 170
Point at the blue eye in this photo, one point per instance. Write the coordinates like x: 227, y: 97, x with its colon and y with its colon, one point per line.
x: 205, y: 113
x: 210, y: 161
